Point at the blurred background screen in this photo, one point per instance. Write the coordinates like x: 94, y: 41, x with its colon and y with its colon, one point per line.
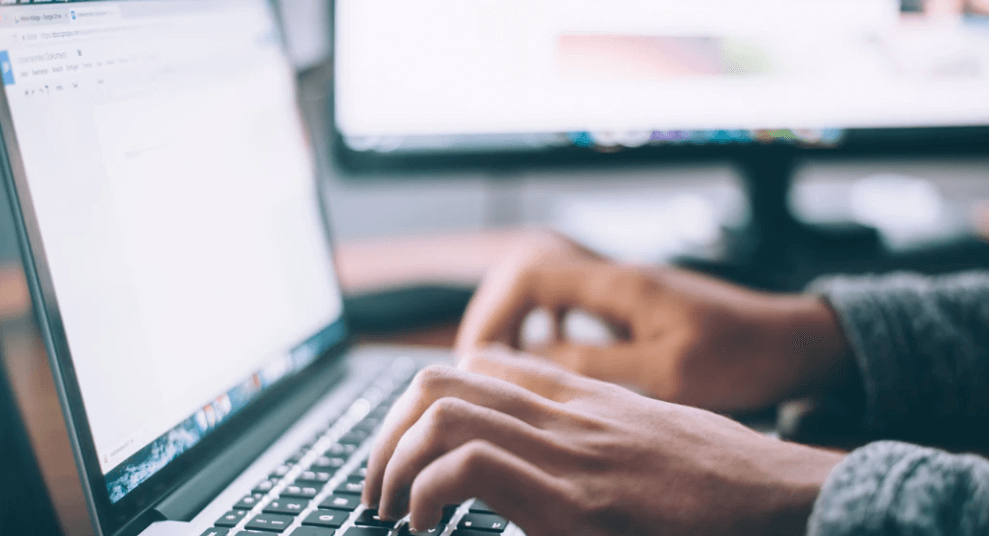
x: 442, y: 76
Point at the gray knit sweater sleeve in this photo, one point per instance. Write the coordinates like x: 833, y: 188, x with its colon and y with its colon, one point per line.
x: 922, y: 349
x: 890, y: 489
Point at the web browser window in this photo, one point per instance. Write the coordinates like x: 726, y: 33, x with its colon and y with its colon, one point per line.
x: 174, y: 190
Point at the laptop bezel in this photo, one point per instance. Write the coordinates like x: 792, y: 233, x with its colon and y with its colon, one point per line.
x: 111, y: 518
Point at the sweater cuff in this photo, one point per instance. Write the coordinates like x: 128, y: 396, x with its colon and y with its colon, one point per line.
x: 889, y: 488
x: 857, y: 314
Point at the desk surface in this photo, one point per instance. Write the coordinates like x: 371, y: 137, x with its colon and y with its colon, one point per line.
x: 457, y: 259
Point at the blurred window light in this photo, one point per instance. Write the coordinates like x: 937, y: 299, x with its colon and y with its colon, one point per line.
x: 306, y: 24
x: 650, y: 229
x: 906, y: 210
x: 900, y: 206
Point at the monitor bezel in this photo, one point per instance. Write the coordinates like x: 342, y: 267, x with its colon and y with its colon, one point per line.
x: 930, y: 142
x: 135, y: 507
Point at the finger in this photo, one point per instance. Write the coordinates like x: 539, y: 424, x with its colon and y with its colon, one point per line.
x: 437, y: 382
x: 546, y: 379
x: 600, y: 288
x: 619, y: 362
x: 512, y: 486
x: 496, y: 314
x: 501, y: 304
x: 448, y: 424
x: 497, y: 309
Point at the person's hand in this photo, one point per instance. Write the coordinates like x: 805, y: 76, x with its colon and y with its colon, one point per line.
x: 558, y: 453
x: 683, y: 337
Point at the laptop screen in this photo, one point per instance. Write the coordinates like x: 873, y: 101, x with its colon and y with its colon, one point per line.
x: 173, y: 188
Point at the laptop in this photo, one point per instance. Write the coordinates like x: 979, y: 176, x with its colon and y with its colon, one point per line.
x: 177, y: 251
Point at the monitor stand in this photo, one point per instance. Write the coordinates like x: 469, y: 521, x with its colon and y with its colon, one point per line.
x: 776, y: 251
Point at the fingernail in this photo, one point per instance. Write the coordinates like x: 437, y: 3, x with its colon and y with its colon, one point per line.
x: 385, y: 514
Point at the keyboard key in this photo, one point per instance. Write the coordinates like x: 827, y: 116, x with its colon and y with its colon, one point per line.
x: 369, y: 518
x: 287, y: 506
x: 230, y: 518
x: 354, y: 437
x: 468, y: 532
x: 248, y: 502
x: 264, y: 486
x: 355, y: 487
x: 326, y: 518
x: 297, y: 457
x: 361, y: 472
x: 366, y: 531
x: 337, y: 449
x: 312, y: 531
x: 369, y: 424
x: 280, y: 472
x: 328, y: 463
x: 448, y: 512
x: 438, y: 529
x: 269, y: 523
x: 316, y: 479
x: 341, y: 502
x: 300, y: 492
x: 215, y: 532
x: 488, y: 522
x: 479, y: 507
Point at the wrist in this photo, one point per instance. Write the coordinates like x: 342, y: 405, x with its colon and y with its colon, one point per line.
x: 799, y: 473
x: 814, y: 344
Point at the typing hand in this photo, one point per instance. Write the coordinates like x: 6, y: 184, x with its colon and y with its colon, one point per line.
x: 682, y: 337
x: 559, y: 453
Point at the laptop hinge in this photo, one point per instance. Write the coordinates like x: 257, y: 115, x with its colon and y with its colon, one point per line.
x: 191, y: 497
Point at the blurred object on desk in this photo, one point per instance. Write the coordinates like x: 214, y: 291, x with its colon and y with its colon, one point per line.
x: 407, y: 308
x: 34, y: 390
x: 25, y: 507
x: 15, y: 301
x: 458, y: 259
x: 911, y: 203
x: 414, y: 290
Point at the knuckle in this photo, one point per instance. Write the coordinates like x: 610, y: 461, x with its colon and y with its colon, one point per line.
x: 446, y: 412
x: 474, y: 457
x: 597, y: 505
x: 471, y: 359
x: 431, y: 379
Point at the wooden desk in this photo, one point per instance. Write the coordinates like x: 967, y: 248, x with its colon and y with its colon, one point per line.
x: 367, y: 266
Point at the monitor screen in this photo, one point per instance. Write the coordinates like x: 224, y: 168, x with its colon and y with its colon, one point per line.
x: 476, y: 75
x: 173, y: 187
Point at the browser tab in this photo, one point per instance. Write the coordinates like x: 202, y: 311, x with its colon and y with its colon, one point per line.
x: 42, y: 18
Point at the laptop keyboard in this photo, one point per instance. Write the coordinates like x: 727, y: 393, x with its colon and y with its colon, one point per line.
x: 317, y: 490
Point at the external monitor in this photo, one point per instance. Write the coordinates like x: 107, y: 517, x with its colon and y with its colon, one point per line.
x: 517, y: 81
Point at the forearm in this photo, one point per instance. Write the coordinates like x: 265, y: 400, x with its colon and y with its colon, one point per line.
x: 890, y: 488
